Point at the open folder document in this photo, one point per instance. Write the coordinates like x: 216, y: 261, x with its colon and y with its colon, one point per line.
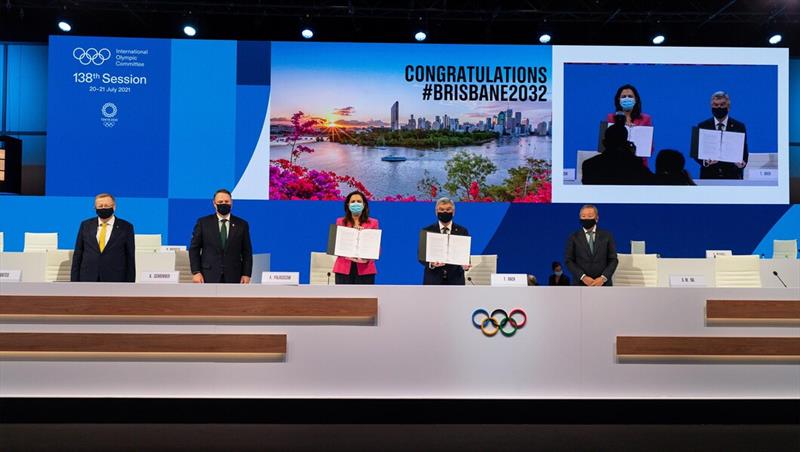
x: 720, y: 146
x: 641, y: 136
x: 355, y: 243
x: 445, y: 248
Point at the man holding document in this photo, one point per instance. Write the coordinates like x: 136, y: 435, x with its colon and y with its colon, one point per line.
x: 356, y: 240
x: 444, y: 248
x: 719, y: 144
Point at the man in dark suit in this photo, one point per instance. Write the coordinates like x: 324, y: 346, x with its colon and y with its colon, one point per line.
x: 591, y: 255
x: 617, y: 164
x: 104, y: 250
x: 221, y: 251
x: 438, y: 273
x: 721, y: 120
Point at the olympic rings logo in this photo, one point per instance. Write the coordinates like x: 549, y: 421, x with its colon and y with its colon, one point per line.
x: 499, y: 321
x: 91, y: 55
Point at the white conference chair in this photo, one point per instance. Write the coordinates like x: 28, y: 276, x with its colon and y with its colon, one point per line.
x: 147, y: 242
x: 636, y: 270
x: 483, y: 266
x: 37, y: 241
x: 321, y: 266
x: 737, y: 271
x: 182, y: 266
x: 59, y: 265
x: 1, y: 242
x: 638, y: 247
x: 784, y: 249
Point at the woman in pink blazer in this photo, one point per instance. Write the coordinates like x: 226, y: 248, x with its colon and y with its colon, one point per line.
x: 356, y: 215
x: 627, y: 101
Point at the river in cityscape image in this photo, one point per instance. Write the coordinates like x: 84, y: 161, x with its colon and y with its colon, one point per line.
x: 392, y: 178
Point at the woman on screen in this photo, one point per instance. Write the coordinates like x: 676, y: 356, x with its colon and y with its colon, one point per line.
x: 356, y: 215
x: 627, y: 101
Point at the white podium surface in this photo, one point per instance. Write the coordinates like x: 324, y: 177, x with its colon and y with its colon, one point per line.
x: 788, y: 269
x: 32, y: 265
x: 158, y: 261
x: 423, y: 346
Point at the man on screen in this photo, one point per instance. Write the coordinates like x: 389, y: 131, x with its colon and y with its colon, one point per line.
x: 721, y: 120
x: 591, y: 255
x: 438, y: 273
x: 105, y: 248
x: 221, y: 251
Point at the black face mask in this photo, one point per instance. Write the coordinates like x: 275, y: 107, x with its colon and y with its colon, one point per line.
x: 105, y: 213
x: 445, y: 217
x: 588, y: 224
x: 719, y: 112
x: 224, y: 209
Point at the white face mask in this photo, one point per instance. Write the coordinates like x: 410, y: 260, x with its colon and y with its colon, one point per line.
x: 558, y: 273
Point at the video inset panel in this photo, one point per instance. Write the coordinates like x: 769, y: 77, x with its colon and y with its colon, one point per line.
x: 683, y: 125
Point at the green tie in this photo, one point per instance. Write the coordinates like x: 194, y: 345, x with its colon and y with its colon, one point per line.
x: 591, y: 241
x: 223, y: 233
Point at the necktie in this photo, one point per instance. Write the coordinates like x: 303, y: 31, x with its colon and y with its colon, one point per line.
x: 102, y: 240
x: 445, y: 230
x: 590, y: 237
x: 720, y: 126
x: 223, y: 233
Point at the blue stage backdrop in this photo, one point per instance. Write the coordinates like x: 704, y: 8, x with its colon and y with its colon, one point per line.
x: 177, y: 119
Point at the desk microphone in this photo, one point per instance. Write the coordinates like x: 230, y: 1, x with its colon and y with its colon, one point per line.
x: 469, y: 278
x: 775, y: 272
x: 329, y: 278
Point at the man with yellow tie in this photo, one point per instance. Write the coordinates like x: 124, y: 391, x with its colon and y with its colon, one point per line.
x: 104, y: 250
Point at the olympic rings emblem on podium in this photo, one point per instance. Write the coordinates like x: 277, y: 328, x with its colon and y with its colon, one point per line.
x: 506, y: 323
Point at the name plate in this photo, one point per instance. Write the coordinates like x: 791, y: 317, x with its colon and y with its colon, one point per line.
x: 160, y: 277
x: 687, y: 281
x: 712, y: 254
x: 280, y: 278
x: 569, y: 174
x: 11, y: 275
x: 173, y: 248
x: 509, y: 279
x: 762, y: 174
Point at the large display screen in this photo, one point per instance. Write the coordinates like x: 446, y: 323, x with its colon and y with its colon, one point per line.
x: 708, y: 125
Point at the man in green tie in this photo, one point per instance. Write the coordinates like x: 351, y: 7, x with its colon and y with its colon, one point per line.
x: 221, y: 251
x: 105, y: 249
x: 591, y: 254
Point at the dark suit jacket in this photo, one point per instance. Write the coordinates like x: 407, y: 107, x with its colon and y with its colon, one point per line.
x: 581, y: 261
x: 117, y: 262
x: 615, y: 168
x: 206, y: 255
x: 563, y: 281
x: 448, y: 275
x: 722, y: 170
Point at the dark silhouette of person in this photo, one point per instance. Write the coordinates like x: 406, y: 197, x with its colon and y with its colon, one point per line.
x: 618, y: 164
x: 671, y: 169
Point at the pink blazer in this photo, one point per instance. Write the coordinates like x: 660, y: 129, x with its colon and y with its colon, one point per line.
x: 342, y: 264
x: 644, y: 120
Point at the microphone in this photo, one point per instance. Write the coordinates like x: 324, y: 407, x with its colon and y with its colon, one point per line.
x: 329, y: 278
x: 469, y: 278
x: 775, y: 272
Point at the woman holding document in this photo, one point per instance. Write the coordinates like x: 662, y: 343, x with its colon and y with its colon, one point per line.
x: 627, y: 101
x: 350, y: 270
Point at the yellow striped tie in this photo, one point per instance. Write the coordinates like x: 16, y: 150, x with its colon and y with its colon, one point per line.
x: 102, y: 240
